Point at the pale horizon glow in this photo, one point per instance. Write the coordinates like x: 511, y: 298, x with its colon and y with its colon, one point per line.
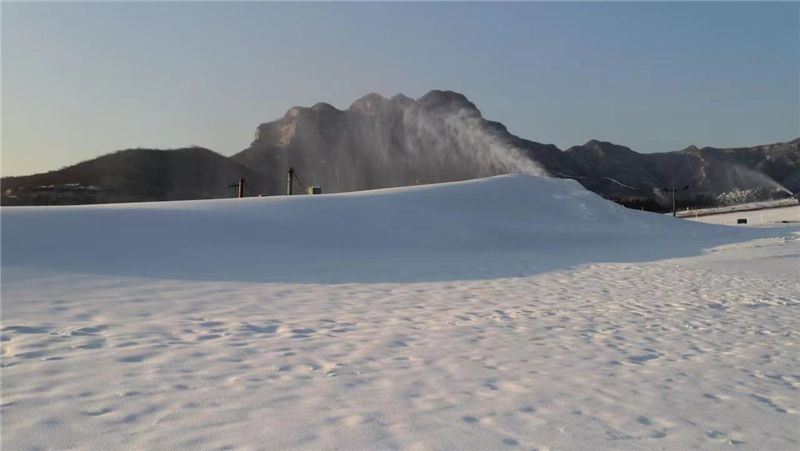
x: 84, y: 79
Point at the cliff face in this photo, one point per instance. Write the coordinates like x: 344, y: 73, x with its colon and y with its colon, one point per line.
x: 442, y: 136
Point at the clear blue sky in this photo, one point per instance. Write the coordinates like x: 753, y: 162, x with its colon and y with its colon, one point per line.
x: 80, y: 80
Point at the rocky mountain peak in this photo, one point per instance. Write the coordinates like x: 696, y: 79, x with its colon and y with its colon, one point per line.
x: 323, y: 107
x: 369, y: 103
x: 601, y: 147
x: 450, y: 100
x: 402, y: 99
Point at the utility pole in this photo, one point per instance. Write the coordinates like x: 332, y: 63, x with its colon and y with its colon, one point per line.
x: 674, y: 190
x: 239, y: 187
x: 289, y: 180
x: 673, y: 200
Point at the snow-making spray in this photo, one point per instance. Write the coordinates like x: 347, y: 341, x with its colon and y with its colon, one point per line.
x: 462, y: 140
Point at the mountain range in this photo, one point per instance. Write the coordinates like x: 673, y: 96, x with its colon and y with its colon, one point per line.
x: 379, y: 142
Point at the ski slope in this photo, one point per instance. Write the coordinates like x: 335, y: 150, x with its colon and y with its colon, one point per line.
x: 501, y: 313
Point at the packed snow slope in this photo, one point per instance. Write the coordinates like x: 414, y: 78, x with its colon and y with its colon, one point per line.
x: 483, y: 325
x: 499, y: 226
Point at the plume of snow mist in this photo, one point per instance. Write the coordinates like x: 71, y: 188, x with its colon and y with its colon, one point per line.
x: 729, y: 184
x: 379, y: 143
x: 744, y: 185
x: 738, y: 177
x: 461, y: 144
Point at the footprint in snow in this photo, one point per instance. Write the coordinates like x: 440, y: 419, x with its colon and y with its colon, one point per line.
x: 643, y: 358
x: 270, y: 329
x: 26, y: 329
x: 96, y: 413
x: 302, y: 332
x: 134, y: 358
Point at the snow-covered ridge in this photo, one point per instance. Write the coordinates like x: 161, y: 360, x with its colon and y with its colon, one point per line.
x: 498, y: 226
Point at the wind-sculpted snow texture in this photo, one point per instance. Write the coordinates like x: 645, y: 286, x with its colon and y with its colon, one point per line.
x: 506, y: 313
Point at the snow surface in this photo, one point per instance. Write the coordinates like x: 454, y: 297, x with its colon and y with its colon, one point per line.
x: 499, y: 226
x: 768, y: 217
x: 505, y: 312
x: 769, y: 204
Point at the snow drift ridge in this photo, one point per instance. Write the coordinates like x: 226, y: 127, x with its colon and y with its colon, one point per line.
x: 498, y: 226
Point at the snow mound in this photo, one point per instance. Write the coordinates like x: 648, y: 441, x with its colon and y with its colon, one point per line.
x: 499, y: 226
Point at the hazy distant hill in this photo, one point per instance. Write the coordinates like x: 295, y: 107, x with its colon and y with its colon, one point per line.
x: 442, y: 136
x: 131, y: 176
x: 617, y: 171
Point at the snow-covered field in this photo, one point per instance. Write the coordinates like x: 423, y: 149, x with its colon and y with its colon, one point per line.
x: 769, y: 204
x: 769, y: 217
x: 499, y: 313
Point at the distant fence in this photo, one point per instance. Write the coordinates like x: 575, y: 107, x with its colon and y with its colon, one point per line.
x: 741, y: 207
